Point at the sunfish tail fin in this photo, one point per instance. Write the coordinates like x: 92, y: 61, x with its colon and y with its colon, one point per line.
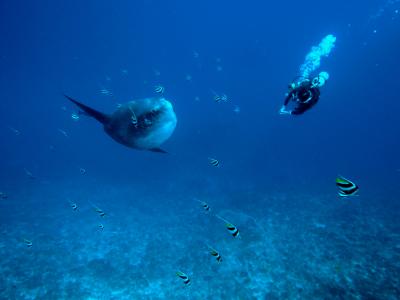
x: 99, y: 116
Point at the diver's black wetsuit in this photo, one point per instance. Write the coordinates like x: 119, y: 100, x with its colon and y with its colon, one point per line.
x: 305, y: 97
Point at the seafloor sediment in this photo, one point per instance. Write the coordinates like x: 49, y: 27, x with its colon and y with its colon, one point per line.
x: 291, y: 246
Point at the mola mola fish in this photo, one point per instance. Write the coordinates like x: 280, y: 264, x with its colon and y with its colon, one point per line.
x: 142, y: 124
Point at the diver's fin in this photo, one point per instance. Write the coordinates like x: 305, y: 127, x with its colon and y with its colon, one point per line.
x: 102, y: 118
x: 159, y: 150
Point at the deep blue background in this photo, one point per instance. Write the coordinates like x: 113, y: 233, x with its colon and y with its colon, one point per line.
x: 51, y: 47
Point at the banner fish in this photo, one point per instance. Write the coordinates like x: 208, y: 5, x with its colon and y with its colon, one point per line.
x: 346, y: 187
x: 134, y: 119
x: 220, y: 98
x: 215, y: 253
x: 28, y: 243
x: 75, y: 116
x: 105, y: 92
x: 214, y: 162
x: 16, y: 131
x: 159, y: 89
x: 98, y: 210
x: 231, y: 228
x: 29, y: 174
x: 204, y: 205
x: 73, y: 205
x: 184, y: 277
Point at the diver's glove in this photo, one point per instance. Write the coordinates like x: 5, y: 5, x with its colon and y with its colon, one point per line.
x: 283, y: 111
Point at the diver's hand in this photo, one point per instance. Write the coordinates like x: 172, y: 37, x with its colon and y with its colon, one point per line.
x: 283, y: 111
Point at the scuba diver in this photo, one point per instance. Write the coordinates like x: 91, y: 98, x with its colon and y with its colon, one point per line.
x: 304, y: 94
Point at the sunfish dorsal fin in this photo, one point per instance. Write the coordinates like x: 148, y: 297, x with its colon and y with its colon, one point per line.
x: 99, y: 116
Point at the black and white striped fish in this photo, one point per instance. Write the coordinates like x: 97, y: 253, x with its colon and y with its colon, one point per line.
x: 98, y: 210
x: 75, y: 116
x: 216, y: 254
x: 204, y: 205
x: 346, y: 187
x: 184, y: 277
x: 134, y: 119
x: 28, y: 243
x: 214, y: 162
x: 159, y: 89
x: 74, y: 206
x: 106, y: 92
x: 220, y: 98
x: 231, y: 228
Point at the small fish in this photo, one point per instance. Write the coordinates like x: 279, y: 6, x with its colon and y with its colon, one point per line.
x: 73, y: 205
x: 214, y: 162
x: 101, y: 227
x: 157, y: 72
x: 159, y: 89
x: 63, y: 132
x: 82, y: 171
x: 215, y: 253
x: 220, y: 98
x: 29, y: 174
x: 15, y: 131
x: 75, y: 116
x: 134, y: 119
x: 98, y: 210
x: 195, y: 54
x: 184, y: 277
x: 28, y: 243
x: 105, y: 92
x: 231, y: 228
x: 3, y: 195
x: 236, y: 109
x: 197, y: 98
x: 63, y: 108
x: 147, y: 122
x: 217, y: 98
x: 219, y: 68
x: 204, y: 205
x: 124, y: 71
x: 346, y: 187
x: 188, y: 77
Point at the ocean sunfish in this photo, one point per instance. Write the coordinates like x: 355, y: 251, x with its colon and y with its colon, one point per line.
x: 142, y: 124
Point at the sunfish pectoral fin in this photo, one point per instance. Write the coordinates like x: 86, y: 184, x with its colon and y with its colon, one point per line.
x: 159, y: 150
x: 99, y: 116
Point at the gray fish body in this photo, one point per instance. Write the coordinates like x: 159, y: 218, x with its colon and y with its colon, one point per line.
x: 140, y: 124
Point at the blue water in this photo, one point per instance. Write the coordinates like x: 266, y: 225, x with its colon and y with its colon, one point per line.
x: 276, y: 179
